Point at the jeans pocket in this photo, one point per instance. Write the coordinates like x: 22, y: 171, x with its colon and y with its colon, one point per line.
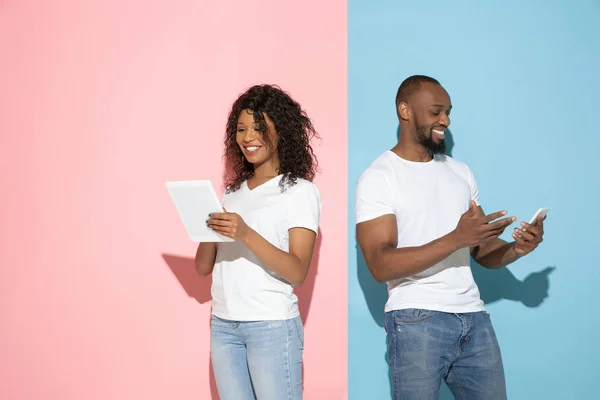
x: 411, y: 315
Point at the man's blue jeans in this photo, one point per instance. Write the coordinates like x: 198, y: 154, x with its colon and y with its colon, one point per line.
x: 426, y: 346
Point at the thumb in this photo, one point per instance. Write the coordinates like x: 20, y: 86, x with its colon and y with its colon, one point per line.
x: 473, y: 206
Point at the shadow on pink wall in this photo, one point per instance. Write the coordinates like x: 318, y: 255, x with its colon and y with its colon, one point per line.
x: 198, y: 288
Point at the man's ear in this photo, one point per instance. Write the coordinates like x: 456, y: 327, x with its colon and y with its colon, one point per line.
x: 403, y: 111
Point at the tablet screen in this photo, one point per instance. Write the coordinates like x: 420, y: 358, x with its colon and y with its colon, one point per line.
x: 194, y: 200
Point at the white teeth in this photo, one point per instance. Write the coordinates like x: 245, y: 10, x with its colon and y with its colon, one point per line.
x: 438, y: 132
x: 252, y: 148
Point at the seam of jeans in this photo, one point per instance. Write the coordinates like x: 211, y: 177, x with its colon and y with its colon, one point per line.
x: 389, y: 341
x: 299, y: 331
x: 460, y: 389
x: 392, y: 358
x: 288, y: 373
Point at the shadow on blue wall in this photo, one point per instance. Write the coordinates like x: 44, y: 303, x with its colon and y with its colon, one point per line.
x: 493, y: 285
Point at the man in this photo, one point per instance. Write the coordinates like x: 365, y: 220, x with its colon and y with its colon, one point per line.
x: 418, y: 222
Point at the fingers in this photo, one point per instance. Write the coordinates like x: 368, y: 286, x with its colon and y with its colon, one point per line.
x: 522, y: 243
x: 225, y: 231
x: 540, y: 221
x: 528, y: 237
x: 487, y: 227
x: 499, y: 230
x: 223, y: 227
x: 493, y: 234
x: 531, y: 235
x: 536, y: 230
x: 522, y: 234
x: 501, y: 224
x: 225, y: 216
x: 495, y: 229
x: 521, y: 246
x: 212, y: 222
x: 220, y: 220
x: 496, y: 215
x: 225, y: 223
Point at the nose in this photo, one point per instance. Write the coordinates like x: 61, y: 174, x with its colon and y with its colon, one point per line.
x: 445, y: 120
x: 249, y: 135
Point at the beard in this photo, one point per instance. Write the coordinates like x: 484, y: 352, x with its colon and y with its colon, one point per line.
x: 426, y: 140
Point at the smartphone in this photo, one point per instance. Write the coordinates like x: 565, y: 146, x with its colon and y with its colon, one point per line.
x: 541, y: 211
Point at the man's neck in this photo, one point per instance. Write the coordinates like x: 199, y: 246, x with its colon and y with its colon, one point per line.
x: 412, y: 152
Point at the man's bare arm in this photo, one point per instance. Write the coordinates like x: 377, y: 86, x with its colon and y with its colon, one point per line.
x: 378, y: 240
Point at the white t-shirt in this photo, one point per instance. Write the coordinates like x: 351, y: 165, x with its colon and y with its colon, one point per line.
x: 243, y: 288
x: 428, y: 199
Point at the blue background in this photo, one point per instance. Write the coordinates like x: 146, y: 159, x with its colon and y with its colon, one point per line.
x: 524, y: 82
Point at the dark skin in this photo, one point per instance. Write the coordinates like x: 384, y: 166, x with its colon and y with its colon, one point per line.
x: 429, y: 109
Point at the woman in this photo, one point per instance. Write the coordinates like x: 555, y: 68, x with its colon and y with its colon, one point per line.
x: 272, y: 210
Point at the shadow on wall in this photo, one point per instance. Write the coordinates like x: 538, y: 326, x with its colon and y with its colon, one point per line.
x: 493, y: 285
x: 198, y: 288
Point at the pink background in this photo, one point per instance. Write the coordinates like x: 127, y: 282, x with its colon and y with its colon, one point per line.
x: 101, y: 102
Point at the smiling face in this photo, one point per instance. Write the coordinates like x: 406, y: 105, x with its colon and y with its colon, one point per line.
x: 258, y: 147
x: 428, y: 115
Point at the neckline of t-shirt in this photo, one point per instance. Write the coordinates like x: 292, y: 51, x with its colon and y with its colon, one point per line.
x: 246, y: 187
x: 420, y: 163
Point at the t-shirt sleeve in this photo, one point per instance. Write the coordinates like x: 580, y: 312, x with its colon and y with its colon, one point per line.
x: 305, y: 208
x: 473, y: 185
x: 372, y: 199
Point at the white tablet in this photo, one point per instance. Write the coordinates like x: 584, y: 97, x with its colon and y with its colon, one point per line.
x: 194, y: 200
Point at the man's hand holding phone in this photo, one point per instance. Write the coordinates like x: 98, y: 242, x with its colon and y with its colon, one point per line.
x: 530, y: 235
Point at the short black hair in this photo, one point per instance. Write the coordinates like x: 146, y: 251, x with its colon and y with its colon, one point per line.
x: 411, y: 85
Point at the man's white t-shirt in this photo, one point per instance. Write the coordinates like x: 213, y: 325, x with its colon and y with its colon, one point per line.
x: 427, y: 199
x: 243, y: 288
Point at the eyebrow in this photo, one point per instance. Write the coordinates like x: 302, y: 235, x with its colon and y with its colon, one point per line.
x: 441, y: 105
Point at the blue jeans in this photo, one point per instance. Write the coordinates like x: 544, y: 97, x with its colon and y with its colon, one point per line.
x: 425, y: 347
x: 257, y: 360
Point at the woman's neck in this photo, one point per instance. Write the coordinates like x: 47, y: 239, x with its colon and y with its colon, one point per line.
x: 265, y: 171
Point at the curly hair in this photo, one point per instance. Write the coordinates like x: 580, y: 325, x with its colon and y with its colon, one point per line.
x: 294, y: 133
